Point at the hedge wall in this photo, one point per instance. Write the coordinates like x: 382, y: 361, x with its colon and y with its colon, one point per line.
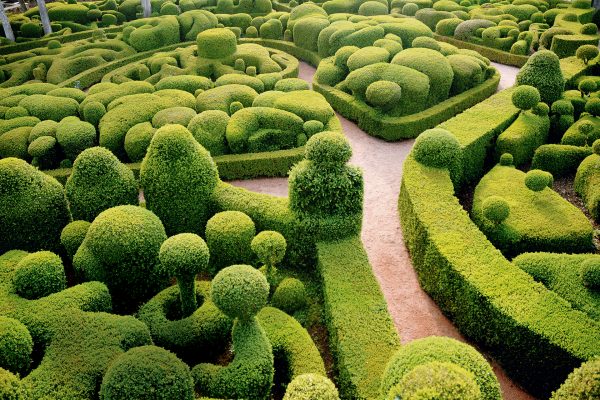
x: 499, y: 56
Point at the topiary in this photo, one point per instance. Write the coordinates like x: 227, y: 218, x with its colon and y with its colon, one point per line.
x: 426, y: 43
x: 311, y: 387
x: 178, y: 176
x: 410, y: 9
x: 43, y: 149
x: 99, y: 181
x: 328, y: 149
x: 73, y: 235
x: 596, y: 147
x: 536, y: 180
x: 589, y: 29
x: 184, y: 256
x: 208, y: 128
x: 541, y: 109
x: 93, y: 111
x: 11, y: 388
x: 590, y: 273
x: 587, y: 52
x: 586, y: 86
x: 240, y: 291
x: 229, y: 235
x: 147, y: 373
x: 39, y: 275
x: 216, y: 43
x: 436, y: 148
x: 495, y: 209
x: 269, y: 247
x: 525, y: 97
x: 168, y: 8
x: 581, y: 384
x: 290, y: 296
x: 75, y: 136
x: 592, y: 106
x: 312, y: 127
x: 43, y: 128
x: 563, y: 107
x: 138, y: 139
x: 506, y: 159
x: 383, y: 94
x: 16, y: 112
x: 542, y: 71
x: 16, y: 346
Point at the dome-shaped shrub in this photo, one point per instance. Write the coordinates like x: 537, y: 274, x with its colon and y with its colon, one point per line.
x: 312, y: 127
x: 16, y: 346
x: 93, y: 111
x: 173, y: 115
x: 73, y: 235
x: 562, y: 107
x: 216, y: 43
x: 586, y: 86
x: 39, y: 275
x: 240, y: 291
x: 542, y: 71
x: 592, y: 106
x: 506, y: 159
x: 410, y: 9
x: 290, y: 296
x: 43, y: 128
x: 436, y: 148
x: 581, y: 384
x: 541, y: 109
x: 269, y: 247
x: 16, y: 112
x: 525, y: 97
x: 426, y: 43
x: 311, y: 387
x: 596, y: 147
x: 371, y: 7
x: 11, y: 388
x: 328, y: 148
x: 75, y: 136
x: 590, y: 273
x: 208, y: 128
x: 537, y: 180
x: 138, y: 139
x: 495, y: 209
x: 384, y: 94
x: 587, y: 52
x: 147, y: 373
x: 229, y: 236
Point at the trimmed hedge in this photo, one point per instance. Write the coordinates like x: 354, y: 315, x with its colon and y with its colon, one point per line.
x: 587, y: 184
x: 523, y: 137
x: 559, y: 159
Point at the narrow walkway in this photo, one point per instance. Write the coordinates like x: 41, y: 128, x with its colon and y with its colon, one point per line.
x: 414, y: 313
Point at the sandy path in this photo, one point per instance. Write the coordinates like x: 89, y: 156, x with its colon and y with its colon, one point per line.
x: 414, y: 313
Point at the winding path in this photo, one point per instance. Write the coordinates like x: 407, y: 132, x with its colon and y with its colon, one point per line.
x: 414, y: 313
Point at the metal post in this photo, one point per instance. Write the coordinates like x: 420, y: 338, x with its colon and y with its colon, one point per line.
x: 8, y: 32
x: 147, y: 8
x: 44, y: 17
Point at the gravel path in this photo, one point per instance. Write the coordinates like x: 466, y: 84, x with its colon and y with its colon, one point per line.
x: 414, y: 313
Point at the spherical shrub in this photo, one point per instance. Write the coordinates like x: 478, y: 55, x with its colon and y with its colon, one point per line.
x: 73, y: 235
x: 593, y: 106
x: 328, y: 148
x: 94, y: 14
x: 147, y: 373
x: 75, y: 136
x: 173, y: 115
x: 410, y: 9
x: 436, y: 148
x: 11, y: 388
x: 229, y: 235
x: 525, y: 97
x: 208, y: 128
x: 426, y: 43
x: 596, y: 147
x: 16, y: 346
x: 384, y: 94
x: 542, y: 71
x: 240, y: 291
x: 43, y: 128
x: 437, y: 380
x: 587, y: 52
x: 39, y: 275
x: 311, y: 387
x: 44, y: 150
x: 589, y: 29
x: 371, y: 7
x: 109, y: 19
x: 495, y: 209
x: 581, y: 384
x: 235, y: 107
x: 562, y: 107
x: 291, y: 84
x: 138, y: 139
x: 54, y: 44
x: 541, y: 109
x: 585, y: 128
x: 590, y: 273
x: 290, y: 296
x: 169, y: 9
x: 269, y: 247
x: 536, y: 180
x: 312, y: 127
x: 216, y: 43
x: 586, y: 86
x: 506, y: 159
x: 93, y: 111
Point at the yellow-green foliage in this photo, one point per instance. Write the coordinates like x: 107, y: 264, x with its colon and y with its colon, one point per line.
x: 523, y: 137
x: 152, y: 33
x: 587, y: 184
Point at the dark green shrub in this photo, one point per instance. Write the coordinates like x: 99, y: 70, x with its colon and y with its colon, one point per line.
x: 184, y: 256
x: 506, y: 159
x: 109, y: 19
x: 178, y: 176
x: 589, y: 29
x: 99, y: 181
x: 93, y: 111
x: 525, y: 97
x: 138, y: 139
x: 592, y: 106
x: 11, y: 388
x: 33, y: 208
x: 216, y: 43
x: 542, y: 71
x: 312, y: 386
x: 75, y: 136
x: 240, y: 291
x: 169, y: 9
x: 541, y: 109
x: 73, y: 235
x: 43, y: 149
x: 269, y: 247
x: 582, y: 383
x: 586, y: 86
x: 590, y: 273
x: 587, y: 52
x: 147, y: 373
x: 436, y: 148
x: 39, y: 275
x: 290, y: 296
x: 447, y: 27
x: 496, y: 209
x: 383, y: 94
x: 208, y: 128
x: 229, y: 235
x: 16, y: 346
x: 537, y: 180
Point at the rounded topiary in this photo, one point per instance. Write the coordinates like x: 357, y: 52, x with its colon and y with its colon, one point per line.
x: 563, y: 107
x: 328, y: 148
x: 169, y: 9
x: 39, y: 275
x: 410, y: 9
x: 541, y: 109
x: 74, y: 136
x: 184, y: 256
x: 589, y: 29
x: 138, y: 139
x: 596, y: 147
x: 290, y: 296
x: 54, y: 44
x: 586, y: 86
x: 436, y: 148
x: 93, y: 111
x: 581, y: 384
x: 229, y: 235
x: 542, y: 71
x: 587, y: 52
x: 147, y: 373
x: 525, y: 97
x: 43, y: 128
x: 592, y: 106
x: 109, y: 19
x: 99, y: 181
x: 436, y: 380
x: 41, y: 146
x: 312, y: 127
x: 427, y: 43
x: 585, y: 128
x: 16, y: 346
x: 383, y: 93
x: 495, y: 209
x: 16, y: 112
x: 506, y: 159
x: 235, y: 107
x: 73, y: 235
x: 240, y: 291
x: 311, y: 387
x: 269, y: 247
x: 11, y: 388
x: 590, y: 273
x: 216, y: 43
x: 537, y: 180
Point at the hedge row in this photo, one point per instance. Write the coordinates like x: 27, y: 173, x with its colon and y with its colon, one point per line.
x: 559, y: 159
x: 499, y: 56
x: 362, y: 335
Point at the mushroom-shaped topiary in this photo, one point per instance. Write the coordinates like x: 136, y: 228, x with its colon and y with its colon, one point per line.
x: 240, y: 291
x: 590, y: 273
x: 436, y: 148
x: 581, y: 384
x: 383, y: 94
x: 587, y: 52
x: 537, y: 180
x: 73, y: 235
x: 437, y: 380
x: 229, y: 236
x: 38, y: 275
x: 525, y: 97
x: 269, y: 247
x: 587, y: 86
x: 593, y: 106
x: 495, y: 209
x: 290, y: 296
x: 311, y: 387
x: 328, y: 149
x: 147, y: 373
x: 216, y: 43
x: 16, y: 346
x: 542, y: 71
x: 184, y: 256
x: 506, y: 159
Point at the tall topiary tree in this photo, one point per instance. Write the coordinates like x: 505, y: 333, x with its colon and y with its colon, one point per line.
x: 269, y: 247
x: 542, y: 71
x: 99, y: 181
x: 184, y: 256
x: 178, y: 176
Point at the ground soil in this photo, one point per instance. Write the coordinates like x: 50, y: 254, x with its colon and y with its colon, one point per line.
x: 414, y: 313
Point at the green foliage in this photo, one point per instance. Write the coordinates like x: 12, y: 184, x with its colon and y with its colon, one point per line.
x: 495, y: 209
x: 240, y: 291
x: 506, y: 159
x: 153, y: 33
x: 173, y: 115
x: 311, y: 386
x: 220, y: 98
x: 75, y: 136
x: 543, y: 72
x: 39, y: 275
x: 99, y: 181
x: 437, y: 148
x: 137, y: 140
x: 586, y: 86
x: 290, y: 296
x: 49, y: 107
x: 590, y: 273
x: 582, y: 383
x: 16, y: 112
x: 93, y: 111
x: 384, y: 94
x: 536, y: 180
x: 73, y: 235
x: 10, y: 387
x: 16, y: 346
x: 216, y: 43
x: 525, y: 134
x: 586, y: 184
x: 587, y: 52
x: 147, y: 372
x: 188, y: 83
x: 44, y: 150
x: 208, y: 128
x: 525, y: 97
x: 229, y: 235
x: 592, y: 106
x: 178, y: 176
x: 14, y: 143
